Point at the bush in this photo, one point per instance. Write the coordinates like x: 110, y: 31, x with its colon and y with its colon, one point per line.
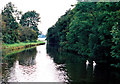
x: 27, y: 34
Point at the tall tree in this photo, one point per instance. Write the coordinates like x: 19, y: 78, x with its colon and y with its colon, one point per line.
x: 91, y: 30
x: 9, y: 24
x: 30, y: 19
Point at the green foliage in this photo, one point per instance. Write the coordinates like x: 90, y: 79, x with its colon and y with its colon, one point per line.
x: 12, y: 31
x: 30, y: 19
x: 9, y: 24
x: 115, y: 32
x: 89, y: 30
x: 27, y: 34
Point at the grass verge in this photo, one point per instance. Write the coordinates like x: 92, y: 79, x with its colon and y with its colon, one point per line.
x: 8, y: 49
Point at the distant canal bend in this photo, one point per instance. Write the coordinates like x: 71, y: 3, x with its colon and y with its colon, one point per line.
x: 47, y: 64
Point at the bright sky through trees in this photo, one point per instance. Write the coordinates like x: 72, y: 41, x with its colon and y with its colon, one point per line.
x: 50, y: 10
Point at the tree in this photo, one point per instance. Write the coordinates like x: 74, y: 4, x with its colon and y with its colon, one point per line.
x: 91, y: 30
x: 9, y: 24
x: 27, y: 34
x: 11, y: 10
x: 115, y: 53
x: 30, y: 19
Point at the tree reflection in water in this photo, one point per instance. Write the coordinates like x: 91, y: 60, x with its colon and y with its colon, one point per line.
x: 27, y: 58
x: 22, y: 62
x: 78, y: 71
x: 50, y: 64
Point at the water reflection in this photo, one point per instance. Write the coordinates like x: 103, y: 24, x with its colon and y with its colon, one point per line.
x: 34, y: 65
x: 86, y: 66
x: 78, y: 71
x: 93, y: 69
x: 27, y: 58
x: 23, y: 66
x: 46, y: 68
x: 50, y: 64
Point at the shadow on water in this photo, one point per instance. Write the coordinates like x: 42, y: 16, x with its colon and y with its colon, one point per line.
x: 81, y: 73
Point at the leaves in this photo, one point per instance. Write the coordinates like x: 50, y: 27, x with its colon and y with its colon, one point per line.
x: 90, y: 29
x: 12, y: 31
x: 30, y: 19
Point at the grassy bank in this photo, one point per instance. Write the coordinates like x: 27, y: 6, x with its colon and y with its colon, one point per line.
x: 8, y: 49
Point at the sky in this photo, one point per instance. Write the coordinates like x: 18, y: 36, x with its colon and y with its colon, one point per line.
x: 49, y: 10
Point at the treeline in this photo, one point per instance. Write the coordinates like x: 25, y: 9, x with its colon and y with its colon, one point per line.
x: 18, y: 27
x: 91, y: 29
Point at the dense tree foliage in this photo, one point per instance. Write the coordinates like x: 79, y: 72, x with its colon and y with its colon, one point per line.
x: 90, y: 30
x: 26, y: 34
x: 30, y: 19
x: 12, y: 31
x: 9, y: 24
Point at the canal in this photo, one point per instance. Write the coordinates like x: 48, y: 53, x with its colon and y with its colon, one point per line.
x: 46, y: 63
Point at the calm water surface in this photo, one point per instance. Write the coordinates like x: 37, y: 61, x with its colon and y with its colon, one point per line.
x: 48, y: 64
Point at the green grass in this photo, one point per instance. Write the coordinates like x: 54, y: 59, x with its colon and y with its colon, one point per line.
x: 8, y: 49
x: 4, y: 45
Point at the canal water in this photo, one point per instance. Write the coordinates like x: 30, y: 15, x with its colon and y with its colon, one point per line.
x: 48, y: 64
